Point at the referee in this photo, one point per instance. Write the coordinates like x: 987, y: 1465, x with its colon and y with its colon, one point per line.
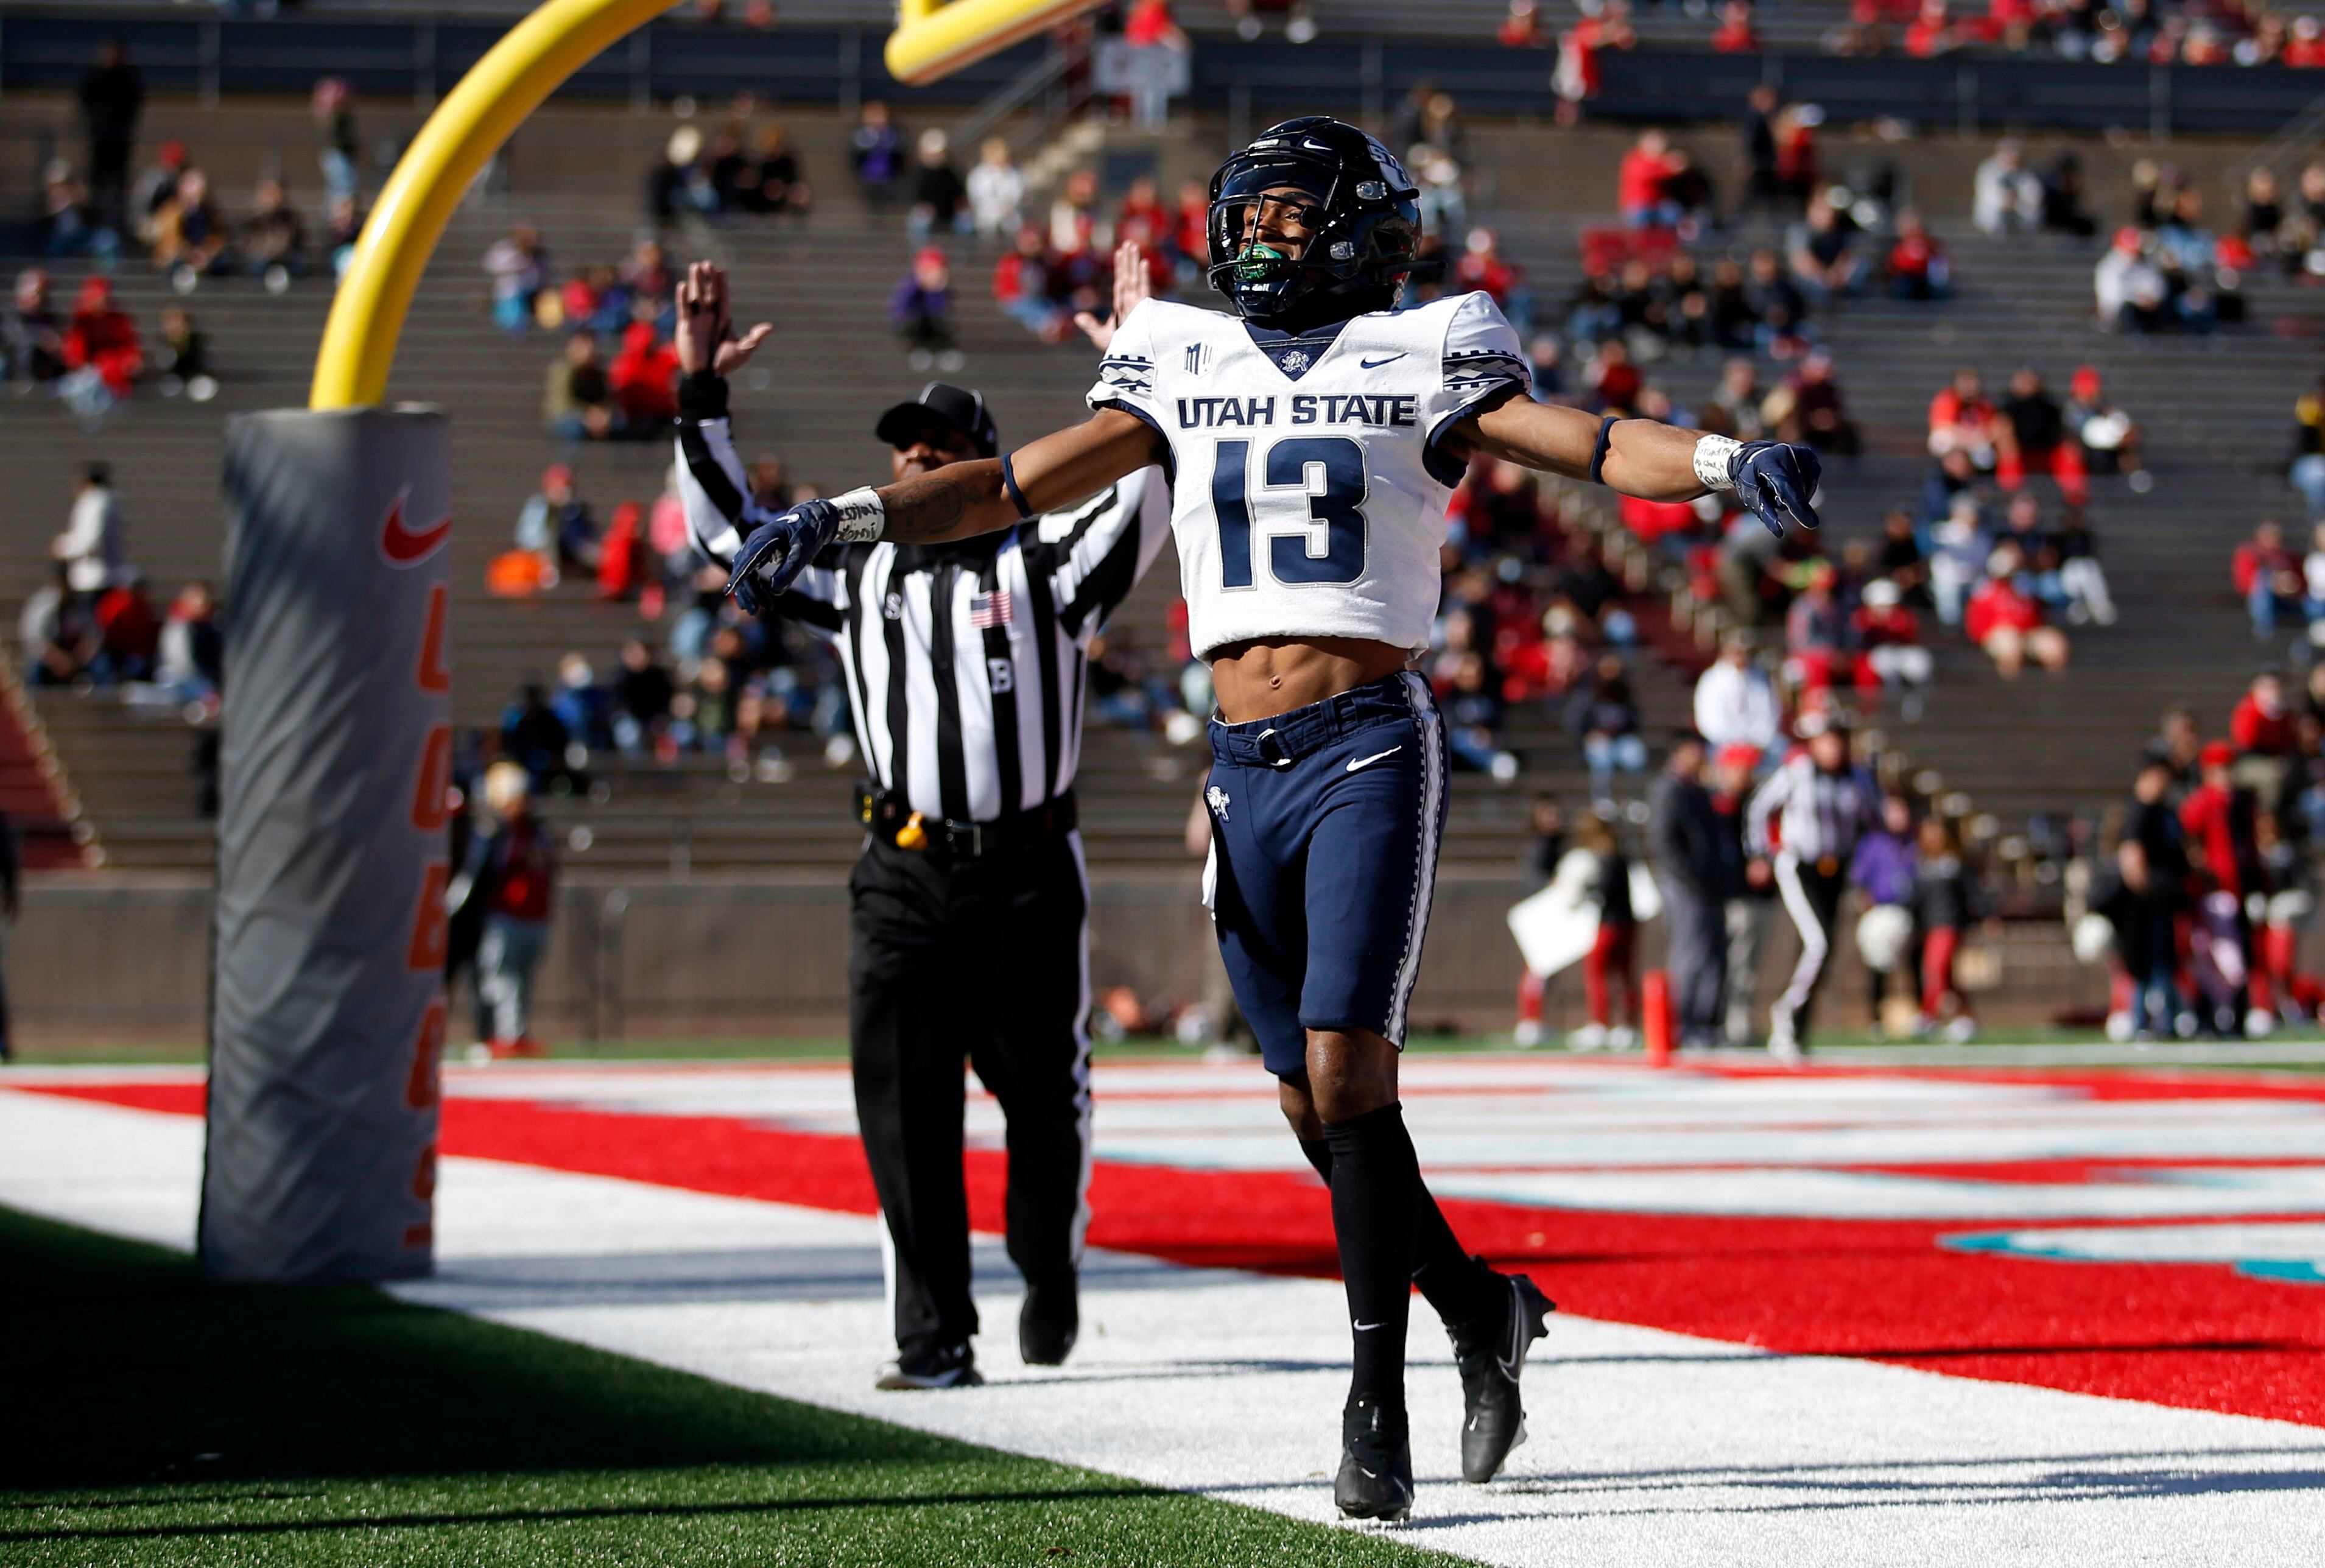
x: 965, y: 665
x: 1822, y: 804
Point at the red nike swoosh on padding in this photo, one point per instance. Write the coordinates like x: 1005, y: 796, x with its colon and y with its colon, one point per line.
x: 2198, y: 1336
x: 405, y: 546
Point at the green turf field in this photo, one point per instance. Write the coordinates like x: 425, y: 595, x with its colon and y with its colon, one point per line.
x: 152, y: 1419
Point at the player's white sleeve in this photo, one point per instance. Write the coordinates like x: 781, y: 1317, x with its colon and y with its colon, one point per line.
x: 1125, y: 376
x: 1481, y: 356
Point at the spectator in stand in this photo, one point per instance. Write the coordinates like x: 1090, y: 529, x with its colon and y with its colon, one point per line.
x: 2081, y: 580
x: 2006, y: 621
x: 1961, y: 544
x: 2263, y: 222
x: 1735, y: 34
x: 1522, y: 28
x: 2178, y: 747
x: 181, y: 359
x: 643, y: 382
x: 940, y: 198
x: 1961, y: 419
x: 642, y: 694
x: 877, y: 150
x: 332, y: 105
x: 2006, y: 196
x: 189, y: 238
x: 1022, y: 284
x: 58, y: 634
x: 577, y: 401
x: 1735, y: 703
x: 2269, y: 576
x: 2307, y: 474
x: 623, y: 568
x: 1814, y: 631
x: 273, y: 237
x: 680, y: 184
x: 780, y: 186
x: 2033, y: 434
x: 1888, y: 637
x: 1756, y: 132
x: 519, y: 267
x: 920, y: 311
x: 1738, y: 397
x: 1482, y: 270
x: 555, y: 523
x: 1799, y: 167
x: 2110, y: 438
x: 2262, y: 730
x: 1902, y: 560
x: 1604, y: 719
x: 1639, y: 181
x: 130, y: 631
x: 192, y: 661
x: 156, y: 183
x: 2305, y: 49
x: 66, y: 227
x: 996, y: 191
x: 509, y: 876
x: 1697, y: 871
x: 1918, y: 266
x: 1190, y: 240
x: 32, y: 336
x: 1934, y: 32
x: 1821, y: 252
x: 94, y: 548
x: 2063, y: 198
x: 1473, y: 720
x: 112, y: 95
x: 1574, y: 77
x: 2130, y: 289
x: 1808, y: 408
x: 1614, y: 383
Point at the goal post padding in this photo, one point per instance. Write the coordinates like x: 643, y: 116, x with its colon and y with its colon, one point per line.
x: 327, y: 1017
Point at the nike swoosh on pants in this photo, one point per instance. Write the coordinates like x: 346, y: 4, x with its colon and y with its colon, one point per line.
x: 1355, y: 763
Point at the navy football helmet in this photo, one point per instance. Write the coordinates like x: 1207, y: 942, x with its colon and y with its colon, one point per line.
x: 1361, y: 211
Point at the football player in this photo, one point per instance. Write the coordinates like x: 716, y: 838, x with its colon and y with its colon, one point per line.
x: 1314, y: 437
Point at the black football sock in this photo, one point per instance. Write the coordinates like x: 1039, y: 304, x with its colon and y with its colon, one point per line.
x: 1376, y: 1195
x: 1459, y: 1287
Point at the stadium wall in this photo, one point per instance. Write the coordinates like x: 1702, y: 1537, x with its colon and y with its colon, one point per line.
x: 102, y: 964
x: 421, y: 56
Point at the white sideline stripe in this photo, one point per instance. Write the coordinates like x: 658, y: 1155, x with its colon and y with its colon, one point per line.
x: 1649, y: 1448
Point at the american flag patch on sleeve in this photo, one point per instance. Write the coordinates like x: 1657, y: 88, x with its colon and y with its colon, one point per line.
x: 988, y: 610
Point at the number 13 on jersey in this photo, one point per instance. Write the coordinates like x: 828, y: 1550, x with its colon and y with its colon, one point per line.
x: 1310, y: 503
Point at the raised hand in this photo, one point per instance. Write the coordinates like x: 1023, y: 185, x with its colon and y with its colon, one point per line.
x: 705, y: 339
x: 1777, y: 480
x: 1133, y: 285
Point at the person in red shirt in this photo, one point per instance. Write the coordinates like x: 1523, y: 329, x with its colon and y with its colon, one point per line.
x: 1918, y: 268
x: 2305, y: 49
x: 1190, y: 227
x: 1639, y: 192
x: 2004, y: 619
x: 101, y: 337
x: 1962, y: 419
x: 1734, y: 34
x: 644, y: 378
x: 2261, y: 724
x: 504, y: 894
x: 1888, y: 638
x: 2268, y: 576
x: 2218, y: 822
x: 1932, y: 31
x: 1482, y: 270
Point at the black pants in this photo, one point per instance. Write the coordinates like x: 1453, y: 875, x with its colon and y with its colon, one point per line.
x: 108, y: 180
x: 985, y: 960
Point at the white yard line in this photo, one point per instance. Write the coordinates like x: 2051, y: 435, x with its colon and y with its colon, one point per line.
x: 1649, y: 1447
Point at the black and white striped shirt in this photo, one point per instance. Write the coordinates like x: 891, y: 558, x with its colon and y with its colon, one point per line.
x: 1820, y: 815
x: 964, y: 663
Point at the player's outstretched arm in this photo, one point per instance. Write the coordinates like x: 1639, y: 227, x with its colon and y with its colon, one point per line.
x: 1643, y: 458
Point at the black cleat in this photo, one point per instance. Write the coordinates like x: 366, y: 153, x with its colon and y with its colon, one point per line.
x: 1492, y: 1356
x: 931, y: 1367
x: 1048, y: 1323
x: 1375, y: 1480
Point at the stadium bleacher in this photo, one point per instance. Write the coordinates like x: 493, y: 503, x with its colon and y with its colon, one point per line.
x: 2216, y: 411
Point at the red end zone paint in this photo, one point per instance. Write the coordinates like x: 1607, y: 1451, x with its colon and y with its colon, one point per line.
x: 2198, y: 1335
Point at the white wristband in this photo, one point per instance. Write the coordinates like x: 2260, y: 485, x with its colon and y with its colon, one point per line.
x: 861, y: 517
x: 1714, y: 455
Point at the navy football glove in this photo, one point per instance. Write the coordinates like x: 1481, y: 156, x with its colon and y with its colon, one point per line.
x: 778, y: 550
x: 1777, y: 481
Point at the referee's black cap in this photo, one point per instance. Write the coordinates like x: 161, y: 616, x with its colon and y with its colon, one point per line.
x: 953, y: 409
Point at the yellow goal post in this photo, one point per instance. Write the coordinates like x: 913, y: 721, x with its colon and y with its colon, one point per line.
x: 932, y: 40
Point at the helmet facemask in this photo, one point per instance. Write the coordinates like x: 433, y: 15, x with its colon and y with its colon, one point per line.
x: 1360, y: 234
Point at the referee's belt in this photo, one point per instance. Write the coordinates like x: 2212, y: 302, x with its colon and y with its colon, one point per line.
x: 891, y: 819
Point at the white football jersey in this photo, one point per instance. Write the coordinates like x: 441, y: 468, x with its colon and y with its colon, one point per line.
x: 1308, y: 492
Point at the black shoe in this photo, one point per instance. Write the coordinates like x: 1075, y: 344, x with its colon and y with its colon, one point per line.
x: 1048, y: 1323
x: 1376, y: 1480
x: 1492, y: 1357
x: 931, y: 1367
